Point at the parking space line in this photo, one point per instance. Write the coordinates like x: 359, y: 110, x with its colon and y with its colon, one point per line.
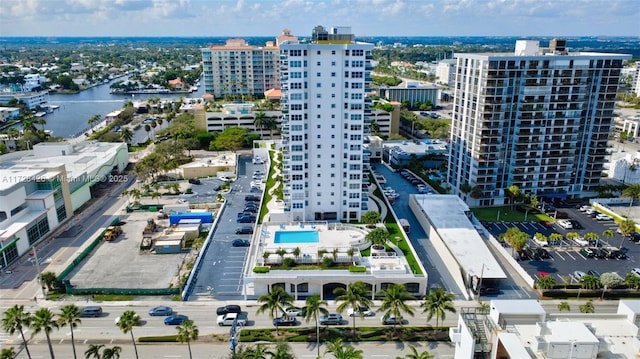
x: 570, y: 256
x: 559, y: 255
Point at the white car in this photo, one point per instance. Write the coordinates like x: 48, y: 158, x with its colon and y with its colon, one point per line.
x: 565, y: 224
x: 293, y: 312
x: 578, y: 274
x: 581, y: 242
x: 361, y: 311
x: 603, y: 217
x: 584, y: 208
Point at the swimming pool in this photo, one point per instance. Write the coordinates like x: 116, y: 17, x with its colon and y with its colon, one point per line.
x: 296, y: 237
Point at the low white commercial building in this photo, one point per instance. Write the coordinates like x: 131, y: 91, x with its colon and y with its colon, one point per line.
x: 446, y: 221
x: 522, y: 329
x: 40, y: 189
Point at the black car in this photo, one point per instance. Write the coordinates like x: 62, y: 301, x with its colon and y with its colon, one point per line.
x: 522, y: 255
x: 252, y: 198
x: 250, y: 209
x: 194, y: 181
x: 543, y: 253
x: 284, y: 321
x: 246, y: 213
x: 231, y: 308
x: 246, y: 219
x: 240, y: 243
x: 244, y: 230
x: 575, y: 224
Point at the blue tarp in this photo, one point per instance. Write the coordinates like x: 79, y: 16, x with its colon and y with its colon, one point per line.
x: 204, y: 217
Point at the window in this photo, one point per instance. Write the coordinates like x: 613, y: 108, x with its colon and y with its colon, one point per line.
x: 333, y: 74
x: 333, y: 52
x: 318, y: 63
x: 318, y: 85
x: 318, y: 95
x: 318, y: 74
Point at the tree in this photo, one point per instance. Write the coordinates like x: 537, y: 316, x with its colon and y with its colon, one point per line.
x: 587, y: 307
x: 632, y: 191
x: 555, y: 238
x: 592, y: 237
x: 126, y: 134
x: 477, y: 192
x: 590, y: 282
x: 273, y: 302
x: 7, y: 353
x: 564, y: 306
x: 465, y: 188
x: 231, y: 139
x: 378, y: 236
x: 355, y: 295
x: 111, y: 353
x: 437, y: 303
x: 370, y: 218
x: 186, y: 333
x: 128, y: 320
x: 513, y: 192
x: 632, y: 281
x: 70, y: 315
x: 608, y: 234
x: 394, y: 300
x: 16, y: 319
x: 546, y: 282
x: 49, y: 279
x: 94, y: 120
x: 415, y: 355
x: 43, y: 321
x: 516, y: 238
x: 258, y: 121
x: 343, y: 352
x: 314, y: 307
x: 627, y: 228
x: 147, y: 128
x: 93, y: 351
x: 611, y: 280
x: 283, y: 351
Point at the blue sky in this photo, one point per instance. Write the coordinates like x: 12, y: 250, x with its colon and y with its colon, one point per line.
x: 366, y: 17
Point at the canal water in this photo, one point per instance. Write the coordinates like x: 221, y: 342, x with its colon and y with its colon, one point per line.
x: 75, y: 110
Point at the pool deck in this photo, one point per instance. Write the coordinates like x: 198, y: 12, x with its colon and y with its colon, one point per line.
x: 330, y: 237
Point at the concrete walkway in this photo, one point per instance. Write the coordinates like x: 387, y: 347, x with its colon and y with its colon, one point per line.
x: 273, y: 205
x: 381, y: 206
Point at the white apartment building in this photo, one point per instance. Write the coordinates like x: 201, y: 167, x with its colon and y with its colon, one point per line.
x: 446, y: 71
x: 537, y: 118
x: 42, y: 188
x: 31, y: 99
x: 239, y: 69
x: 325, y: 118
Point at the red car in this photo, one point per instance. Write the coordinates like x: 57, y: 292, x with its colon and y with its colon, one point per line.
x: 547, y: 224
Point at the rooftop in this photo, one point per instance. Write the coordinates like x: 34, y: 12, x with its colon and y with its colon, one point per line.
x: 459, y: 234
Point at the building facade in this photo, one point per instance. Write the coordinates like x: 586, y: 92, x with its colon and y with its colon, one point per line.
x: 538, y: 119
x: 238, y: 69
x: 325, y: 118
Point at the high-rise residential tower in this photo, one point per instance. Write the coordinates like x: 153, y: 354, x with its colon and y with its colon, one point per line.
x: 538, y: 119
x: 325, y: 116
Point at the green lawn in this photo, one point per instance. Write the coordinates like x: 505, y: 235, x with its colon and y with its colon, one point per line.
x: 506, y: 214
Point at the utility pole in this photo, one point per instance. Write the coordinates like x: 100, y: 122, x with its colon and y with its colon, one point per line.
x: 40, y: 282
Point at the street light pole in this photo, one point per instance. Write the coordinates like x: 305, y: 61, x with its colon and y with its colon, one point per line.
x: 40, y: 281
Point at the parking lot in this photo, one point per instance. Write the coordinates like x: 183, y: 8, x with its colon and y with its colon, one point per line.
x: 565, y: 257
x: 220, y: 276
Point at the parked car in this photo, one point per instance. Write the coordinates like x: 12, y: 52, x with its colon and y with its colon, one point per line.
x: 587, y: 252
x: 543, y: 253
x: 284, y: 321
x: 194, y: 181
x: 593, y: 273
x: 603, y: 217
x: 360, y: 311
x: 578, y: 274
x: 231, y: 308
x: 581, y: 242
x: 565, y: 224
x: 240, y: 243
x: 546, y: 224
x: 160, y: 311
x: 636, y: 271
x: 391, y: 319
x: 175, y: 319
x: 246, y: 219
x: 252, y: 198
x: 522, y: 255
x: 244, y: 230
x: 331, y: 319
x: 293, y: 312
x: 562, y: 215
x: 575, y: 224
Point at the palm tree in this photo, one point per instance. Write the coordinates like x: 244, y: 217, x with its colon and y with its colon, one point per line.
x: 394, y: 301
x: 590, y: 282
x: 186, y: 333
x: 7, y: 353
x: 314, y: 307
x: 147, y: 128
x: 93, y: 120
x: 261, y: 351
x: 93, y: 351
x: 564, y: 306
x: 283, y: 351
x: 633, y: 192
x: 49, y: 279
x: 111, y: 353
x: 273, y: 302
x: 43, y: 321
x: 587, y: 307
x: 128, y: 320
x: 415, y: 355
x: 339, y: 352
x: 546, y: 282
x: 258, y: 121
x: 126, y: 134
x: 16, y: 319
x: 437, y: 303
x: 513, y: 192
x: 70, y: 315
x: 355, y: 295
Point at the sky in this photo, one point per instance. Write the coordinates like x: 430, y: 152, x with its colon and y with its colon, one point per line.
x: 226, y: 18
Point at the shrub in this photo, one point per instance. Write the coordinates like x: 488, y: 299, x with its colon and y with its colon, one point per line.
x: 159, y: 339
x: 261, y: 269
x: 289, y: 263
x: 328, y: 262
x: 357, y: 269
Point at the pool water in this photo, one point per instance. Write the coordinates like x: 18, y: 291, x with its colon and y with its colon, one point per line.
x: 296, y: 237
